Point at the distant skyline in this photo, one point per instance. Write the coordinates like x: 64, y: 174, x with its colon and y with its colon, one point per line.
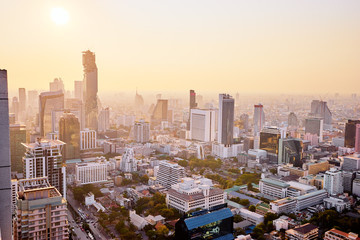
x: 219, y: 46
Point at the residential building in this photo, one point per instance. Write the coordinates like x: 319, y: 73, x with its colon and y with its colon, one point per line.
x: 5, y: 163
x: 303, y: 232
x: 142, y: 131
x: 104, y: 120
x: 202, y: 124
x: 87, y: 139
x: 41, y: 211
x: 333, y: 182
x: 128, y: 161
x: 169, y: 173
x: 44, y: 159
x: 91, y: 172
x: 191, y: 194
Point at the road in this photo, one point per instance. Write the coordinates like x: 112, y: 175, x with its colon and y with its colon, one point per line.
x: 79, y: 233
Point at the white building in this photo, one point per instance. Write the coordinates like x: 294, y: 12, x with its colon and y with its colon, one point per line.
x: 142, y: 131
x: 284, y: 205
x: 128, y: 161
x: 92, y: 172
x: 137, y: 220
x: 297, y: 189
x: 89, y: 199
x: 192, y: 194
x: 310, y: 199
x: 169, y: 173
x: 104, y: 120
x: 202, y: 124
x: 273, y: 188
x: 87, y: 139
x: 337, y: 203
x: 252, y: 217
x: 281, y: 223
x: 333, y: 182
x: 222, y: 151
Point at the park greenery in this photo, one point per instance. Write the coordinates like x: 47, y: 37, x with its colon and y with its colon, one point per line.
x: 81, y: 191
x: 228, y: 182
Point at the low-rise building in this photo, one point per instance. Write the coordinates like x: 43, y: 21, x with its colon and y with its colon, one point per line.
x: 335, y: 234
x: 303, y: 232
x: 337, y: 203
x: 284, y: 205
x: 310, y: 199
x: 273, y: 188
x: 252, y: 217
x: 92, y: 172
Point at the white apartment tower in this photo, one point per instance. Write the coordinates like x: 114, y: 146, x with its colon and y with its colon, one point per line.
x: 333, y: 182
x: 169, y: 173
x: 202, y: 124
x: 128, y: 161
x: 142, y: 131
x: 92, y: 172
x: 87, y: 139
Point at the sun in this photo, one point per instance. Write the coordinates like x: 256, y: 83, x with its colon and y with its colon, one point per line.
x: 59, y: 15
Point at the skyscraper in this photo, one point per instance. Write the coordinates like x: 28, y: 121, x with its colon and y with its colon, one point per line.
x: 292, y: 120
x: 357, y: 138
x: 259, y: 118
x: 15, y: 108
x: 79, y: 89
x: 57, y: 85
x: 44, y: 159
x: 49, y: 102
x: 193, y: 104
x: 5, y: 179
x: 104, y: 120
x: 141, y: 131
x: 202, y: 124
x: 315, y: 126
x: 333, y: 182
x: 22, y: 104
x: 320, y: 109
x: 17, y: 136
x: 160, y: 112
x: 350, y: 133
x: 69, y: 133
x: 76, y: 106
x: 226, y: 120
x: 290, y: 151
x: 90, y: 90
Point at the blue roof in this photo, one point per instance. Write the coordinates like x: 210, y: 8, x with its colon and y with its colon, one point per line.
x: 195, y: 222
x: 228, y: 236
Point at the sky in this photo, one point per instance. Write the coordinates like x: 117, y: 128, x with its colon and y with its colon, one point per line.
x: 298, y: 46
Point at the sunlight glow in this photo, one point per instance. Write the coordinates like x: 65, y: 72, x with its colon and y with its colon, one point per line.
x: 59, y: 15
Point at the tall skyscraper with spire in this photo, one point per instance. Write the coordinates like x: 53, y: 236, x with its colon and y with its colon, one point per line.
x: 5, y: 185
x: 90, y: 90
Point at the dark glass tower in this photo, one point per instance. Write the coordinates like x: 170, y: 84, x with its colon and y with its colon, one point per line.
x: 350, y: 133
x: 193, y: 104
x: 226, y: 120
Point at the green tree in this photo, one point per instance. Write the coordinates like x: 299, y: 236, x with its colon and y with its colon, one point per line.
x: 244, y: 202
x: 252, y: 208
x: 238, y: 218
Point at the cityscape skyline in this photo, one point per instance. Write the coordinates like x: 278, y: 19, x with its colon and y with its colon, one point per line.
x: 237, y: 43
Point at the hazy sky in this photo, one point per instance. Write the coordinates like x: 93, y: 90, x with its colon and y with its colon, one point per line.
x: 245, y: 46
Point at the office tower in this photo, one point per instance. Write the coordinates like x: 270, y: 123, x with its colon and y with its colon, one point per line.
x: 269, y: 139
x: 244, y: 122
x: 193, y: 105
x: 104, y: 120
x: 259, y: 118
x: 49, y: 102
x: 315, y: 126
x: 17, y: 150
x: 319, y: 109
x: 128, y: 161
x: 350, y: 133
x: 169, y: 173
x: 292, y: 120
x: 41, y: 211
x: 160, y: 113
x: 69, y: 133
x: 15, y: 108
x: 142, y: 131
x: 139, y: 101
x: 202, y: 124
x: 44, y: 159
x: 351, y: 163
x: 290, y: 151
x: 57, y: 85
x: 91, y: 172
x: 22, y: 104
x: 87, y: 139
x: 90, y: 90
x: 226, y: 120
x: 348, y: 178
x: 357, y: 138
x: 79, y: 89
x: 204, y: 195
x: 76, y: 107
x: 5, y: 179
x: 333, y: 182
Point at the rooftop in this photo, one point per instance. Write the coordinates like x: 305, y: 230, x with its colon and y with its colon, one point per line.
x: 275, y: 182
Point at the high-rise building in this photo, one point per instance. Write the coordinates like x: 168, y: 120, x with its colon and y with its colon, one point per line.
x: 269, y: 139
x: 160, y: 112
x: 104, y: 120
x: 76, y: 107
x: 17, y: 150
x: 320, y: 109
x: 128, y: 161
x: 78, y: 90
x: 44, y: 159
x: 139, y: 101
x: 259, y: 118
x: 244, y: 122
x: 41, y: 211
x: 169, y: 173
x: 22, y: 100
x: 49, y: 102
x: 33, y: 97
x: 91, y: 172
x: 351, y: 163
x: 226, y: 120
x: 90, y: 90
x: 315, y: 126
x: 292, y: 120
x: 69, y: 133
x: 142, y: 131
x: 202, y: 124
x: 290, y: 151
x: 57, y: 85
x: 15, y: 108
x: 357, y: 138
x: 5, y: 179
x: 87, y: 139
x: 350, y: 133
x: 192, y: 104
x: 333, y: 182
